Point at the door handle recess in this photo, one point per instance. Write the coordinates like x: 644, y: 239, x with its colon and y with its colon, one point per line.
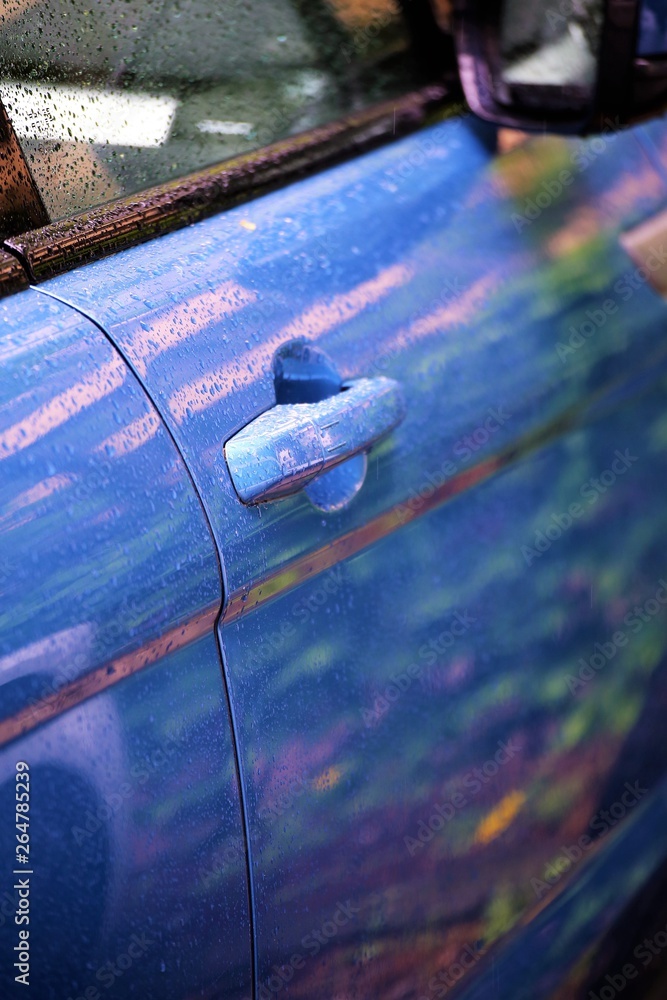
x: 286, y: 447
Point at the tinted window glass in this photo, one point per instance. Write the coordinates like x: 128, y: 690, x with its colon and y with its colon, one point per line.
x: 108, y: 97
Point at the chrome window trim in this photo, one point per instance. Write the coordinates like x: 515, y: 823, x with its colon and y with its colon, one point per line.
x: 60, y: 246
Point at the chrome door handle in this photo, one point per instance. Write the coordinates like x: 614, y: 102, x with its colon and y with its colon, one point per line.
x: 286, y: 447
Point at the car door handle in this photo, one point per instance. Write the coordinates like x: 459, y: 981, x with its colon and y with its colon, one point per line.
x: 286, y: 447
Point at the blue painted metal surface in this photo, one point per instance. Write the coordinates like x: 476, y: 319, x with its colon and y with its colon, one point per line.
x: 546, y: 959
x: 419, y: 259
x: 473, y: 669
x: 110, y: 685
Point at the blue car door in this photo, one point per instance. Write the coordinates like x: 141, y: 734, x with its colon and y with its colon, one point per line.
x: 445, y: 663
x: 124, y: 860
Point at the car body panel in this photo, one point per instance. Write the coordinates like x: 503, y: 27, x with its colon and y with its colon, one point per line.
x: 110, y: 682
x: 380, y: 264
x: 595, y: 932
x: 441, y: 614
x: 418, y: 744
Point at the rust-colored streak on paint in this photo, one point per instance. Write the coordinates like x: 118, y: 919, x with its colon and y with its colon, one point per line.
x: 462, y: 309
x: 174, y: 324
x: 208, y: 390
x: 131, y: 437
x: 43, y: 489
x: 588, y: 221
x: 106, y: 676
x: 631, y: 188
x: 63, y: 407
x: 310, y: 565
x: 641, y: 242
x: 326, y: 315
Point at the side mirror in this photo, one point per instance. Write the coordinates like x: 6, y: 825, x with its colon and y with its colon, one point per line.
x: 562, y: 65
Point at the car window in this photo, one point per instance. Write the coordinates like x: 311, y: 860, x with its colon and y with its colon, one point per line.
x: 109, y: 97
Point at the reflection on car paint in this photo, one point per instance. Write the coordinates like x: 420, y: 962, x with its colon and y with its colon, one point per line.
x: 111, y: 691
x: 361, y: 726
